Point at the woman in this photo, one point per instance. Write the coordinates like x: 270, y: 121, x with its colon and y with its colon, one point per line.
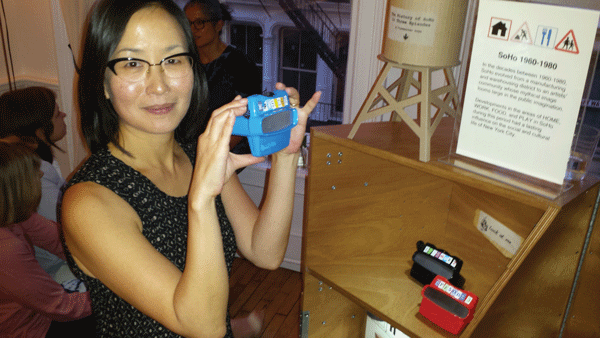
x: 153, y: 218
x: 228, y: 70
x: 31, y: 114
x: 32, y: 304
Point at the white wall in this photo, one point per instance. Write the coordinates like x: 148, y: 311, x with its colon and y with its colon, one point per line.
x: 31, y: 36
x: 29, y: 30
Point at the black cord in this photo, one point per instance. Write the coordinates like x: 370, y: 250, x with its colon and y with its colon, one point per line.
x: 74, y: 61
x: 11, y: 83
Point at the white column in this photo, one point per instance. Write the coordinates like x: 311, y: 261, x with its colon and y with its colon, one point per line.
x: 366, y: 35
x: 325, y: 85
x: 68, y: 19
x: 75, y: 151
x: 270, y: 59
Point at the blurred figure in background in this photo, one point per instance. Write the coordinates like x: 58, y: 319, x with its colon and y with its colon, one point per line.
x: 228, y: 70
x: 32, y: 304
x: 32, y: 115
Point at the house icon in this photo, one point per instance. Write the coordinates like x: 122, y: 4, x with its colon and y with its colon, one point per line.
x: 499, y: 29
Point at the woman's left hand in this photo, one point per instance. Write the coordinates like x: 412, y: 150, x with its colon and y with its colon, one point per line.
x: 297, y: 133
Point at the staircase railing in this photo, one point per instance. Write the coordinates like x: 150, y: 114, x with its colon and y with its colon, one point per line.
x: 309, y: 15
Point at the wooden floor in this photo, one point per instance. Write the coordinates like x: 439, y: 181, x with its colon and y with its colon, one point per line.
x: 277, y: 292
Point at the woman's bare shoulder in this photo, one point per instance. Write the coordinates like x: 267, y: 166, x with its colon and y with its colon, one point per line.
x: 87, y: 201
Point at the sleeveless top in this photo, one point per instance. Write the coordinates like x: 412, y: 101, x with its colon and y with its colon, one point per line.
x: 164, y: 220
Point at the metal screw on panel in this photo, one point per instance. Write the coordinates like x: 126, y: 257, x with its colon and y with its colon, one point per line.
x: 323, y: 322
x: 333, y: 187
x: 329, y: 155
x: 339, y: 161
x: 353, y: 316
x: 320, y: 282
x: 320, y: 289
x: 340, y: 154
x: 366, y: 184
x: 328, y: 162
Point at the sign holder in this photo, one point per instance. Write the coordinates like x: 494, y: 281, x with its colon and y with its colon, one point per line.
x: 513, y: 178
x: 522, y: 104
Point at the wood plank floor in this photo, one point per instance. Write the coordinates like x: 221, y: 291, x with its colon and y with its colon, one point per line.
x: 276, y: 292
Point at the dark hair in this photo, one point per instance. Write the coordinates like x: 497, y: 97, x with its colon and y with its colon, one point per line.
x: 20, y: 185
x: 215, y: 11
x: 105, y: 27
x: 24, y: 111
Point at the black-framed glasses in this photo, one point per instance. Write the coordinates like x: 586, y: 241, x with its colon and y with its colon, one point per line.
x: 198, y: 24
x: 134, y: 70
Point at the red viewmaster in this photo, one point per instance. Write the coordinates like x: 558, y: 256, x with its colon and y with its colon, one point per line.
x: 447, y: 306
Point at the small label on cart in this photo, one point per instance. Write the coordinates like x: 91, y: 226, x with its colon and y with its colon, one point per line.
x: 452, y: 291
x: 440, y: 255
x: 503, y: 238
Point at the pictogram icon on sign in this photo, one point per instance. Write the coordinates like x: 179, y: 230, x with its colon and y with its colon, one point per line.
x: 568, y: 44
x: 522, y: 35
x: 499, y: 28
x: 546, y: 36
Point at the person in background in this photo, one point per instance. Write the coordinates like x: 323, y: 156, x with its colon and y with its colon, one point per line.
x: 32, y: 115
x: 228, y: 70
x: 229, y: 73
x: 32, y: 304
x: 153, y: 218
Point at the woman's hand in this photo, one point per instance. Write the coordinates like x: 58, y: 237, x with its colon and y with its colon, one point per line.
x: 214, y: 163
x: 297, y: 133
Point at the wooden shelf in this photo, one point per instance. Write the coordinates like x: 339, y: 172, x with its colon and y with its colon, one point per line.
x: 369, y: 200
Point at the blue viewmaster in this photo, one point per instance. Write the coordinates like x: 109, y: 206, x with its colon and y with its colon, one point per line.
x: 267, y: 123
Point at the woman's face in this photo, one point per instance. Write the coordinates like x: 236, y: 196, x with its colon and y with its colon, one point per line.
x: 156, y: 103
x: 58, y: 121
x: 208, y: 33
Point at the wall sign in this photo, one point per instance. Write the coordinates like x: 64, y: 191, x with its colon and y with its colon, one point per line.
x: 502, y: 237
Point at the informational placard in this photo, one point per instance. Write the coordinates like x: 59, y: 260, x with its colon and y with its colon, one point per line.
x: 527, y: 74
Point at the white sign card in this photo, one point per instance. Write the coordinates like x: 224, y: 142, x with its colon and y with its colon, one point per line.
x: 526, y: 79
x: 413, y: 27
x: 501, y: 236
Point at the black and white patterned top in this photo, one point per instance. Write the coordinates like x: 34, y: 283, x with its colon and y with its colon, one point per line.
x: 164, y: 220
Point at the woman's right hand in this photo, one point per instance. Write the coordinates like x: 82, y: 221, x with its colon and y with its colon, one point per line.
x: 214, y: 163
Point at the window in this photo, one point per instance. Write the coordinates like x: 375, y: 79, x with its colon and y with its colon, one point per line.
x: 298, y: 62
x: 248, y: 39
x: 281, y: 40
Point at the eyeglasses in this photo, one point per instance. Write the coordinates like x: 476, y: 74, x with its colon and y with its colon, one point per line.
x: 198, y: 24
x: 133, y: 70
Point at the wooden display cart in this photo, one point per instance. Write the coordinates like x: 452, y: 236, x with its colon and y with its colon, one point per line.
x: 369, y: 200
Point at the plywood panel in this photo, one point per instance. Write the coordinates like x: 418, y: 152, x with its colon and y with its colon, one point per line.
x: 330, y: 314
x: 367, y: 205
x: 533, y: 302
x: 483, y: 262
x: 582, y: 321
